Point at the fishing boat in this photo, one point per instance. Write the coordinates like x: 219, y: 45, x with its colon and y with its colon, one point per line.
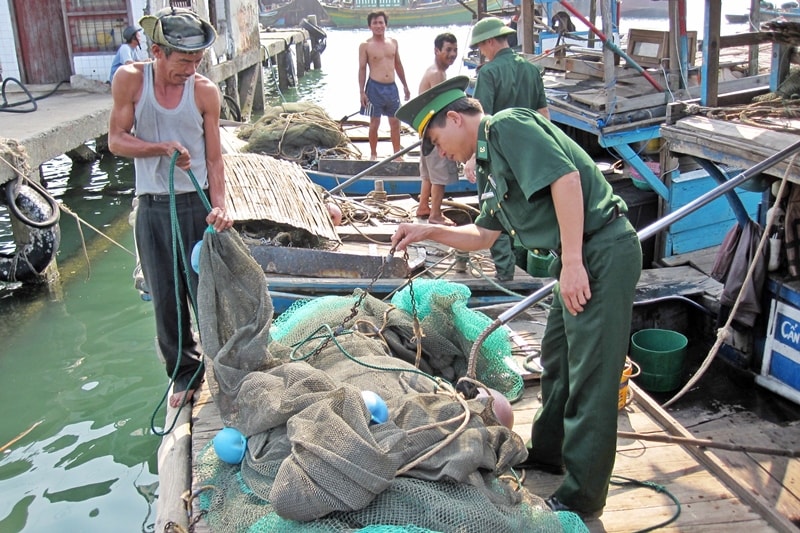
x: 789, y: 11
x: 353, y: 14
x: 292, y: 13
x: 305, y: 256
x: 644, y: 8
x: 737, y: 18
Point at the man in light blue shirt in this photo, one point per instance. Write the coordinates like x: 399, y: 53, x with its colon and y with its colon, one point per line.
x: 129, y: 51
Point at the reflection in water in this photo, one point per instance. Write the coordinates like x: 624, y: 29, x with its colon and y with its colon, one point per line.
x: 78, y: 373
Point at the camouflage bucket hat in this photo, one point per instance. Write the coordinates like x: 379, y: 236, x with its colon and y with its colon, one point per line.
x: 181, y: 29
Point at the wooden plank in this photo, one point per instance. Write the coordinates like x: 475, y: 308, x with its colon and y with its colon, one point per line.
x: 738, y: 145
x: 174, y: 468
x: 709, y: 460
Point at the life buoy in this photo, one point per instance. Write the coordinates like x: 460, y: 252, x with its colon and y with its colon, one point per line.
x: 37, y: 246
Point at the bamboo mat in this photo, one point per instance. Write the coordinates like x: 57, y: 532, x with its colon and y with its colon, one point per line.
x: 263, y: 188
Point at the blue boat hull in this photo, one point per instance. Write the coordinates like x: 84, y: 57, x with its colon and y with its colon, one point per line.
x: 391, y: 184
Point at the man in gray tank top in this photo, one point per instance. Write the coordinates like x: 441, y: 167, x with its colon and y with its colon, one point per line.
x: 160, y: 108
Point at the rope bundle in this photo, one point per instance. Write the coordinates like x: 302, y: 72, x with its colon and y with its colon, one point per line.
x: 301, y: 132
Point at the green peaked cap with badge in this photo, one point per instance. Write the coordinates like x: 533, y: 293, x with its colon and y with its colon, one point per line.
x: 418, y: 112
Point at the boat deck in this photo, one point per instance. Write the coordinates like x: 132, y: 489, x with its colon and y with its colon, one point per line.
x: 715, y: 488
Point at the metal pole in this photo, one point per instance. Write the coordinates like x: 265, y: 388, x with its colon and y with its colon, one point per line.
x: 668, y: 220
x: 374, y: 167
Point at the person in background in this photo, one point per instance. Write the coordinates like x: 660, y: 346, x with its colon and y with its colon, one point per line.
x: 541, y: 187
x: 129, y: 51
x: 437, y: 172
x: 513, y: 23
x: 380, y: 55
x: 506, y: 80
x: 174, y: 110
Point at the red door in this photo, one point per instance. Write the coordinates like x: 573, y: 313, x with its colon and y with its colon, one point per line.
x: 43, y: 43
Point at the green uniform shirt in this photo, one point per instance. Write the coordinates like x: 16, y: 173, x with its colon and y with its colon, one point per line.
x: 509, y: 80
x: 519, y: 155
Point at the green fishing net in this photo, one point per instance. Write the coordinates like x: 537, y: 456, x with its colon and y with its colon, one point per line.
x: 315, y: 459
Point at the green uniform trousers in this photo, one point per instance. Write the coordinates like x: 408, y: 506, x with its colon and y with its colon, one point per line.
x: 505, y: 261
x: 582, y: 361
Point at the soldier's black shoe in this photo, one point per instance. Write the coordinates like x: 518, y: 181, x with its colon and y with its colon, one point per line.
x: 532, y: 464
x: 555, y: 505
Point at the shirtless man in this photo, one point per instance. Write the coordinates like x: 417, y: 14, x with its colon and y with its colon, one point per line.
x: 379, y: 95
x: 174, y: 110
x: 436, y: 171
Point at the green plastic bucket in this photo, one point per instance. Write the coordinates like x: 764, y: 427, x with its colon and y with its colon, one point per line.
x: 539, y: 262
x: 660, y: 354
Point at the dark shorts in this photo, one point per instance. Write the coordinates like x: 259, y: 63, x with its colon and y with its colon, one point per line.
x: 384, y: 99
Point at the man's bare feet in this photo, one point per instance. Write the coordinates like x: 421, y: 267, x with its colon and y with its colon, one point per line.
x: 442, y: 221
x: 373, y: 157
x: 422, y: 213
x: 181, y: 398
x: 399, y: 159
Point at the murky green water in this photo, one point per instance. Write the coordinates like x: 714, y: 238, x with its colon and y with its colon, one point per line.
x: 79, y: 379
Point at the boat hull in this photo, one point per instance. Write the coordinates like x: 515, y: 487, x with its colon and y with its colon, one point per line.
x: 391, y: 184
x: 791, y: 15
x: 435, y: 15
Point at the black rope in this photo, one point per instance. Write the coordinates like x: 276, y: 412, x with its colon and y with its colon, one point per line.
x: 622, y: 481
x: 4, y: 106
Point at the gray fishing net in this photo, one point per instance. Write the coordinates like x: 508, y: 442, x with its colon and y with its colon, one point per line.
x: 296, y: 131
x: 314, y: 460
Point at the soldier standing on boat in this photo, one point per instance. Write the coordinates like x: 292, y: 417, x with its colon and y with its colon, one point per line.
x: 540, y: 186
x: 160, y: 108
x: 506, y: 80
x: 435, y: 171
x: 379, y: 95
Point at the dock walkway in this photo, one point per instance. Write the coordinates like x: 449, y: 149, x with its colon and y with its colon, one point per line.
x: 72, y: 116
x: 62, y: 122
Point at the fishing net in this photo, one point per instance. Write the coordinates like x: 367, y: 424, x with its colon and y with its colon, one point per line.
x: 296, y: 131
x: 314, y: 460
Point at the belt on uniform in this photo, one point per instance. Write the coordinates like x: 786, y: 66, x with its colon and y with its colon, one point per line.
x: 179, y: 197
x: 617, y: 213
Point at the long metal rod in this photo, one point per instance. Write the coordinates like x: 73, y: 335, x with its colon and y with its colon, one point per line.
x: 667, y: 221
x: 374, y: 167
x: 707, y: 443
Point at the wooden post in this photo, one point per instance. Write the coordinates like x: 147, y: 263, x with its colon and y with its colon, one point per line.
x: 525, y: 26
x: 250, y: 85
x: 174, y: 468
x: 280, y: 61
x: 710, y: 70
x: 755, y: 18
x: 301, y: 60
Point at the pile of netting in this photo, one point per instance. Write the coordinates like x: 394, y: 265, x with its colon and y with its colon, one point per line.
x: 297, y: 131
x: 315, y: 460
